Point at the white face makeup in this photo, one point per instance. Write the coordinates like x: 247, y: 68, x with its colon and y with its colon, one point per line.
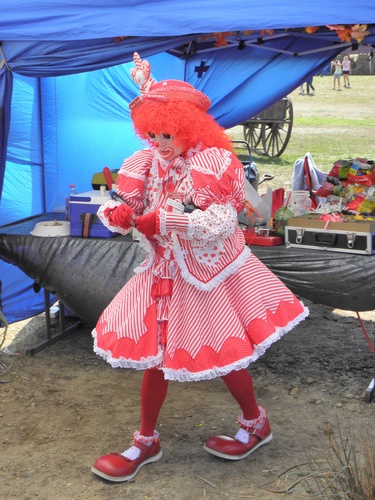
x: 165, y: 144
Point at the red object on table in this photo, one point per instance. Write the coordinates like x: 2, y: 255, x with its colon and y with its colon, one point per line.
x: 252, y: 238
x: 108, y: 177
x: 277, y: 199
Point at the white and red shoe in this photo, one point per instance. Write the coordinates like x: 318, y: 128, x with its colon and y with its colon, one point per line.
x: 119, y: 467
x: 252, y: 435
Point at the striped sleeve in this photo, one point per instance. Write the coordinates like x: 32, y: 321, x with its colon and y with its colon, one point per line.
x: 171, y: 222
x: 132, y: 178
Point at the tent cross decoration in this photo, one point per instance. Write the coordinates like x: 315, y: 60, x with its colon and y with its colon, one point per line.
x: 201, y: 69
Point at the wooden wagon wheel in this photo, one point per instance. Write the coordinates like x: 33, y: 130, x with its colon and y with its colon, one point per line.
x: 275, y: 135
x: 252, y: 134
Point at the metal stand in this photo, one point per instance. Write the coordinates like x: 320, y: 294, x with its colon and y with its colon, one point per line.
x: 370, y: 391
x: 63, y: 329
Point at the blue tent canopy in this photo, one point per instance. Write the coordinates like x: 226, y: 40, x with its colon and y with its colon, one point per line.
x: 65, y: 85
x: 93, y: 19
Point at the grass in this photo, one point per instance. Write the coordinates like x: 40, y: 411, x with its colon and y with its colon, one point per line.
x: 330, y: 125
x: 345, y: 470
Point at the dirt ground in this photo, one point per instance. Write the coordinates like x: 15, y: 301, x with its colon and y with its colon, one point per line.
x: 64, y: 407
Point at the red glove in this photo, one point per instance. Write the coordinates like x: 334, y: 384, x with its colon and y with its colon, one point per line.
x: 121, y: 216
x: 149, y: 224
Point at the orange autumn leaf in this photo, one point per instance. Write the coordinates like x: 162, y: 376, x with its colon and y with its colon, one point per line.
x: 221, y: 38
x: 348, y: 32
x: 209, y: 36
x: 311, y: 29
x: 266, y: 32
x: 345, y: 34
x: 359, y: 31
x: 248, y: 32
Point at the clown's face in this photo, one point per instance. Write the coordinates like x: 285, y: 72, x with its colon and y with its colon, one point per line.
x: 166, y: 145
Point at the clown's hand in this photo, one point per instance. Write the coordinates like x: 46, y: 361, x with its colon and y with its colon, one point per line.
x: 121, y: 216
x: 148, y: 224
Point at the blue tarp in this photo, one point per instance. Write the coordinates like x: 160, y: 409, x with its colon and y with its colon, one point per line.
x: 65, y: 85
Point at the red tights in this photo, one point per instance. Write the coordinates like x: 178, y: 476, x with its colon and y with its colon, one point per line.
x: 154, y: 390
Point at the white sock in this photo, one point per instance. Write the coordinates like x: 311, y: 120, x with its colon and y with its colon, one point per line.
x: 132, y: 453
x: 242, y: 436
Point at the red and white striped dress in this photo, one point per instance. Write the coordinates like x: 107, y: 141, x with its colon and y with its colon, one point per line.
x: 201, y: 304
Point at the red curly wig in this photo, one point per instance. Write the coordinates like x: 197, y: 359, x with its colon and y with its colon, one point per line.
x: 188, y: 124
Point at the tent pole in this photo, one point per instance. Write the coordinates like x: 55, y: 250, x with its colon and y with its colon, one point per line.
x: 40, y: 100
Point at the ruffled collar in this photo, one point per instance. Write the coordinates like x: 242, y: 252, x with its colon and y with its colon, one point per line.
x: 177, y: 168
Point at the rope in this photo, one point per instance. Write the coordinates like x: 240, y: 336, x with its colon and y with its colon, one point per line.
x: 3, y: 60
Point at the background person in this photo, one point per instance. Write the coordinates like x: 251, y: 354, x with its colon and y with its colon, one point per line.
x: 337, y: 74
x: 310, y: 86
x: 346, y: 71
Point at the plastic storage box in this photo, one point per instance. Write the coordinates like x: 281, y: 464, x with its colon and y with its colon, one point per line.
x: 83, y: 219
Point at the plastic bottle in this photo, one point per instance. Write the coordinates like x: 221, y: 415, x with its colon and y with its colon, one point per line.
x: 72, y: 191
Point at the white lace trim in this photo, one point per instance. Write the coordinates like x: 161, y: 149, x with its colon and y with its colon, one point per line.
x: 134, y: 175
x: 100, y: 213
x: 147, y: 440
x: 216, y: 280
x: 149, y: 249
x: 154, y: 167
x: 260, y: 349
x: 163, y: 222
x: 133, y: 453
x: 255, y: 423
x: 190, y: 229
x: 186, y: 376
x: 179, y: 168
x: 142, y: 364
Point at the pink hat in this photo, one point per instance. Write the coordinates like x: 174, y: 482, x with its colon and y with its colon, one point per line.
x: 166, y: 90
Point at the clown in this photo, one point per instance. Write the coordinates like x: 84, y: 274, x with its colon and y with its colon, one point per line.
x: 201, y: 305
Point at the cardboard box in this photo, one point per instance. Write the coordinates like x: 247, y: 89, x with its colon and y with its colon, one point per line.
x: 83, y: 219
x: 350, y: 223
x: 332, y: 240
